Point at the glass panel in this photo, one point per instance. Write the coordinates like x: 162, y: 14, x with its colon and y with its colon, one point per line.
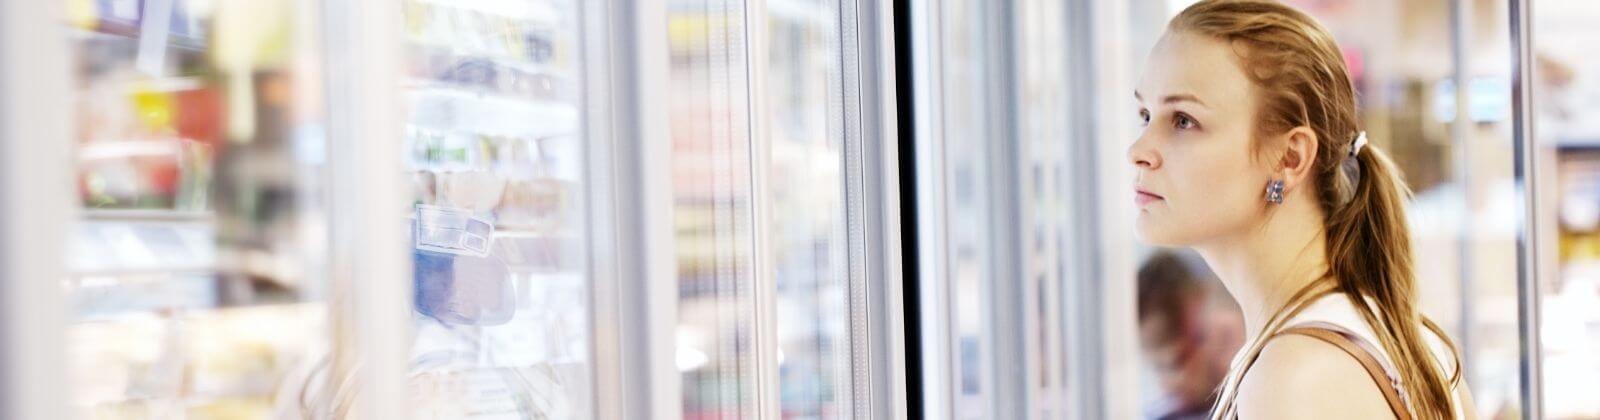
x: 1567, y: 85
x: 965, y: 125
x: 712, y: 197
x: 496, y: 159
x: 196, y: 282
x: 808, y: 208
x: 1007, y: 134
x: 713, y: 166
x: 1045, y: 137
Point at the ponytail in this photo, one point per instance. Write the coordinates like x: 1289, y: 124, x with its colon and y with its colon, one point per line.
x: 1369, y: 252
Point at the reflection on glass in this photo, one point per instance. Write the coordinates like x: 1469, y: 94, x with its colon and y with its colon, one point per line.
x: 1005, y: 128
x: 712, y: 195
x: 712, y: 145
x: 194, y: 274
x: 496, y: 162
x: 1044, y: 121
x: 807, y: 221
x: 965, y: 128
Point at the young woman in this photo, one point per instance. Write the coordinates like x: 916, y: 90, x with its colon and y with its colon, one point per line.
x: 1252, y: 154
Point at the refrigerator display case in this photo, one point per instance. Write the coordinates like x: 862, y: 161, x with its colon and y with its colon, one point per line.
x: 711, y: 209
x: 490, y: 209
x: 1013, y: 158
x: 772, y: 185
x: 495, y: 157
x: 193, y: 288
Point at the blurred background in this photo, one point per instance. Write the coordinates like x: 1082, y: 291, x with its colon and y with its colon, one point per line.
x: 716, y: 209
x: 1434, y: 80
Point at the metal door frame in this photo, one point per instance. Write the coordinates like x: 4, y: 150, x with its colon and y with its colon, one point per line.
x: 37, y: 206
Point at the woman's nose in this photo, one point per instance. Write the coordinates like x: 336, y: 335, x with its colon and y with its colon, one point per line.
x: 1143, y: 155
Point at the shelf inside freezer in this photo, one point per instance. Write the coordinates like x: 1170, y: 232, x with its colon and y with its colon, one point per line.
x: 123, y: 33
x: 467, y: 169
x: 536, y: 251
x: 176, y: 19
x: 149, y: 215
x: 442, y: 61
x: 434, y: 61
x: 185, y: 358
x: 451, y: 109
x: 534, y: 11
x: 126, y: 262
x: 518, y: 31
x: 123, y: 54
x: 109, y: 298
x: 94, y: 298
x: 491, y: 79
x: 119, y: 242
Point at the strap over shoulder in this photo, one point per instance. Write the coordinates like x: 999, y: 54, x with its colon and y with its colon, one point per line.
x: 1225, y: 408
x: 1363, y: 352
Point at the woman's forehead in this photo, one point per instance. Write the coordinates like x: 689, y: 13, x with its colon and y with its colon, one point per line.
x: 1205, y: 67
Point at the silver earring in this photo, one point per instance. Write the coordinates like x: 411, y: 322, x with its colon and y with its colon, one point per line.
x: 1275, y: 192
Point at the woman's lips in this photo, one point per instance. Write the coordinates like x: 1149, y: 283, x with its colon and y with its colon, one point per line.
x: 1145, y: 197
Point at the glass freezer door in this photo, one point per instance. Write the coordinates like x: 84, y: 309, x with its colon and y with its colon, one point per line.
x: 195, y: 284
x: 495, y: 156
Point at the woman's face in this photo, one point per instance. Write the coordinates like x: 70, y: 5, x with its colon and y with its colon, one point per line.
x: 1197, y: 180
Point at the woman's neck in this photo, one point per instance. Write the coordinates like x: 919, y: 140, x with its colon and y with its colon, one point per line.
x: 1264, y: 267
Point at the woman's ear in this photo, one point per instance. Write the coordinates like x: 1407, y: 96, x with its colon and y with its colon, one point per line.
x: 1299, y: 157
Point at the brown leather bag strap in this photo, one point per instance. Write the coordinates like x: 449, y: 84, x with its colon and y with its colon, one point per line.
x: 1358, y: 348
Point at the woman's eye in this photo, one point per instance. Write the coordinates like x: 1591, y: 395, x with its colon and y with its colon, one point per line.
x: 1144, y: 118
x: 1183, y: 122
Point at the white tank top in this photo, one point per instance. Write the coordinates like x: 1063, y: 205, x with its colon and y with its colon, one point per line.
x: 1336, y: 309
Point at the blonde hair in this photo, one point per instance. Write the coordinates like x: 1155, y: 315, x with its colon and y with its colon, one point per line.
x: 1301, y: 80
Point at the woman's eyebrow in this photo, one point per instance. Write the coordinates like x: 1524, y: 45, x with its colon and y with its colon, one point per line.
x: 1180, y: 97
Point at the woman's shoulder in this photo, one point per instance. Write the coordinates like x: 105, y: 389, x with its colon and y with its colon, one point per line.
x: 1302, y: 377
x: 1338, y: 310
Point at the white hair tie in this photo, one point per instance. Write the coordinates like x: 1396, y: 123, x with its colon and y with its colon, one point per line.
x: 1352, y: 168
x: 1361, y: 141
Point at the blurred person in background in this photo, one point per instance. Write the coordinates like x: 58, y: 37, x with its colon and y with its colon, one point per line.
x: 1252, y: 154
x: 1188, y: 331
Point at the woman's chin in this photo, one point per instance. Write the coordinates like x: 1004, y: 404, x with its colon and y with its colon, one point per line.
x: 1146, y: 231
x: 1142, y: 231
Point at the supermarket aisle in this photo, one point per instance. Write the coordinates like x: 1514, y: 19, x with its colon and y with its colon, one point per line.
x: 704, y: 209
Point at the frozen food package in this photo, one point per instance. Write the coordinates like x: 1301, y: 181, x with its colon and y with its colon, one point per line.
x: 538, y: 204
x: 463, y: 289
x: 471, y: 190
x: 452, y: 231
